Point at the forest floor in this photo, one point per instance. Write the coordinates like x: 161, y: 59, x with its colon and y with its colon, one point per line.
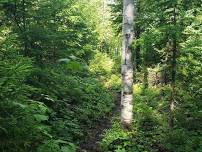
x: 96, y: 133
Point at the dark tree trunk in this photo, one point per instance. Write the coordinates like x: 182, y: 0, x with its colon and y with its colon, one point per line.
x: 173, y: 74
x: 137, y: 50
x: 26, y: 52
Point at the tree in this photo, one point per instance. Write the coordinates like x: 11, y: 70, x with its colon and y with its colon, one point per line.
x: 127, y: 65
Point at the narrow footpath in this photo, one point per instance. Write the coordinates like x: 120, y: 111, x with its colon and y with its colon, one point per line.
x: 96, y: 133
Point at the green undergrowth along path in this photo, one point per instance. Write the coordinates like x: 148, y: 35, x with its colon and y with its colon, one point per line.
x: 60, y: 76
x: 150, y: 131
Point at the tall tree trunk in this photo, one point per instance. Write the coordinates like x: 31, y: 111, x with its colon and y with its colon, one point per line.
x: 173, y: 74
x: 137, y: 51
x: 26, y: 52
x: 137, y: 61
x: 146, y: 74
x: 127, y: 66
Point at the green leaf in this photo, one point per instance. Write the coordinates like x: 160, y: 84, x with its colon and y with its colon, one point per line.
x: 73, y: 65
x: 65, y: 60
x: 70, y: 148
x: 40, y: 117
x: 3, y: 129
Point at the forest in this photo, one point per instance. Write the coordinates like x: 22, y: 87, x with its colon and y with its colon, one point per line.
x: 100, y: 75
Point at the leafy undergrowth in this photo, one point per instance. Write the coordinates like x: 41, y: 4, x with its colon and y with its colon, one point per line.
x: 102, y: 67
x: 150, y: 132
x: 50, y: 109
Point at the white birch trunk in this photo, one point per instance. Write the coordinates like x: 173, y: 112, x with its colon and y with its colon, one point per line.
x: 127, y: 66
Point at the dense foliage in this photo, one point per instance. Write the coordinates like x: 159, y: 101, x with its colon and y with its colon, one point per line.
x: 60, y: 76
x: 167, y: 53
x: 50, y: 97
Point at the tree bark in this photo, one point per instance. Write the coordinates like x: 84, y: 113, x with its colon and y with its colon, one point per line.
x: 26, y: 52
x: 145, y: 80
x: 127, y: 66
x: 137, y: 51
x: 173, y: 74
x: 137, y: 35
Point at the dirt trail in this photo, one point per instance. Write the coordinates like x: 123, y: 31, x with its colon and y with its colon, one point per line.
x: 95, y: 133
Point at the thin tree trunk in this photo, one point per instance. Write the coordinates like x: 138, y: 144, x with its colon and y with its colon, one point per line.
x: 137, y: 51
x: 137, y: 35
x: 26, y: 52
x: 173, y: 78
x: 127, y: 66
x: 145, y: 80
x: 172, y: 100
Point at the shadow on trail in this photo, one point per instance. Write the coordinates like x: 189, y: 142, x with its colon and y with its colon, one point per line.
x: 92, y: 144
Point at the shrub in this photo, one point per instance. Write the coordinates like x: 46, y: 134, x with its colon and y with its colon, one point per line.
x: 101, y: 64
